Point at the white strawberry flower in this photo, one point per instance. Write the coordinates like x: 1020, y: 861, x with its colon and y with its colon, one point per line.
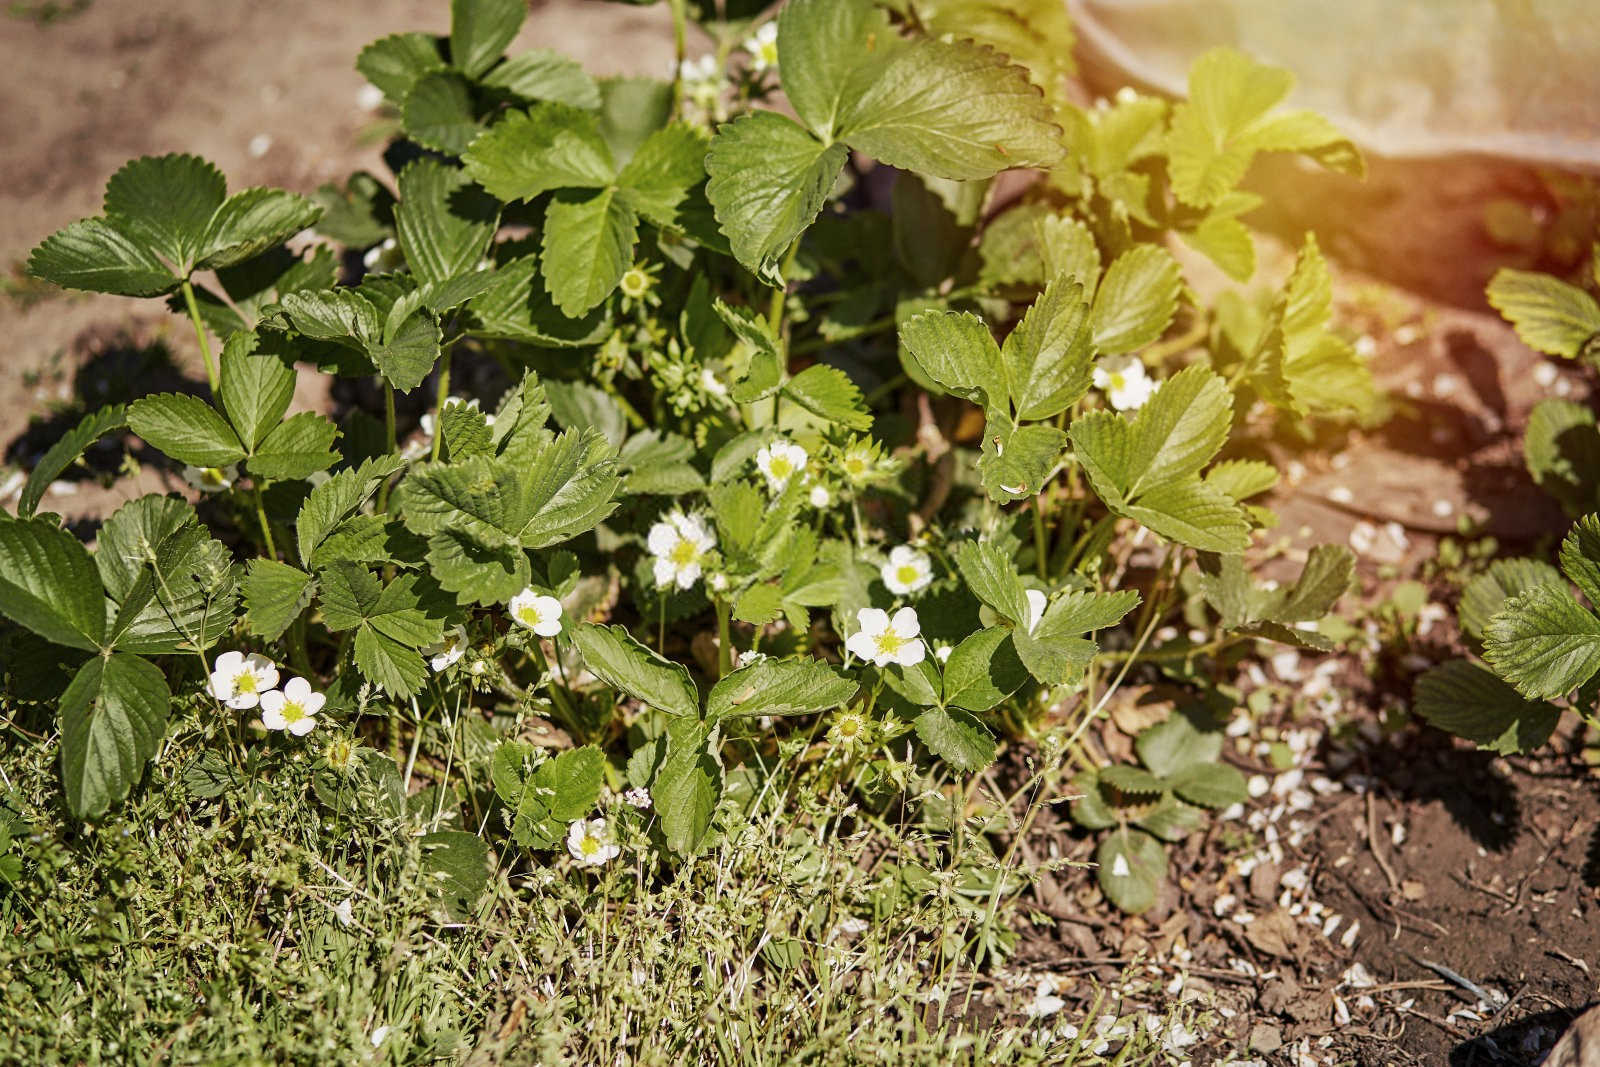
x: 239, y: 680
x: 780, y: 461
x: 882, y: 640
x: 590, y: 843
x: 711, y: 383
x: 908, y: 571
x: 819, y: 497
x: 1036, y: 606
x: 679, y: 543
x: 293, y: 709
x: 763, y: 48
x: 541, y: 614
x: 211, y: 479
x: 637, y: 798
x: 448, y: 649
x: 1125, y: 382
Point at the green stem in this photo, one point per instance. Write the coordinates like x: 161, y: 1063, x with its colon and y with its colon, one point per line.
x: 680, y: 20
x: 724, y: 638
x: 200, y: 334
x: 557, y: 697
x: 438, y: 406
x: 1041, y: 538
x: 394, y: 445
x: 775, y: 308
x: 261, y: 517
x: 298, y: 653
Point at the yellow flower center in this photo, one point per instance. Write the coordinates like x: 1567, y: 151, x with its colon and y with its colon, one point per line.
x: 590, y: 845
x: 244, y: 682
x: 635, y: 283
x: 1118, y: 381
x: 684, y: 553
x: 292, y: 711
x: 769, y: 53
x: 906, y: 574
x: 781, y: 467
x: 849, y: 726
x: 890, y: 642
x: 530, y: 615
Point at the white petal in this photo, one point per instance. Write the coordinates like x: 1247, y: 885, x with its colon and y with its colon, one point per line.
x: 229, y: 663
x: 244, y: 701
x: 1036, y: 605
x: 910, y: 653
x: 301, y: 727
x: 273, y: 720
x: 313, y: 703
x: 906, y: 623
x: 297, y: 689
x: 273, y: 701
x: 872, y: 620
x: 861, y: 645
x: 688, y: 575
x: 665, y: 572
x: 663, y: 537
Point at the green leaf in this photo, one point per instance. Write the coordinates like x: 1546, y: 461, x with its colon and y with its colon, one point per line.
x: 957, y: 352
x: 274, y: 596
x: 48, y: 583
x: 251, y: 221
x: 1080, y: 612
x: 957, y: 737
x: 548, y: 146
x: 1241, y: 479
x: 388, y: 664
x: 410, y: 345
x: 455, y: 864
x: 992, y: 576
x: 444, y: 222
x: 1464, y: 699
x: 112, y: 717
x: 1543, y: 642
x: 1580, y: 557
x: 465, y: 431
x: 1549, y: 315
x: 1487, y: 593
x: 1210, y: 785
x: 1018, y: 460
x: 1132, y: 866
x: 779, y: 687
x: 588, y: 245
x: 437, y: 113
x: 475, y: 569
x: 185, y: 428
x: 687, y: 786
x: 391, y: 622
x: 331, y: 502
x: 1136, y: 300
x: 1326, y: 577
x: 298, y: 447
x: 1173, y: 744
x: 828, y: 393
x: 658, y: 178
x: 560, y: 791
x: 480, y: 30
x: 66, y: 451
x: 1055, y: 659
x: 394, y: 63
x: 952, y: 110
x: 759, y: 604
x: 184, y: 601
x: 541, y: 74
x: 256, y: 388
x: 165, y: 204
x: 983, y: 670
x: 765, y: 371
x: 1048, y: 356
x: 517, y: 307
x: 828, y: 51
x: 97, y: 256
x: 128, y: 540
x: 769, y: 178
x: 1562, y: 450
x: 614, y: 657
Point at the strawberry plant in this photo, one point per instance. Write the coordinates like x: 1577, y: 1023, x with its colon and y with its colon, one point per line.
x: 791, y: 440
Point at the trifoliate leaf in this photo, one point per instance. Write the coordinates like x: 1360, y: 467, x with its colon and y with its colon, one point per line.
x: 391, y: 622
x: 444, y: 222
x: 779, y: 687
x: 298, y: 447
x: 769, y: 178
x: 957, y: 737
x: 1132, y: 866
x: 185, y: 428
x: 274, y: 596
x: 1136, y: 300
x: 614, y: 657
x: 165, y: 203
x: 1487, y: 593
x: 437, y: 113
x: 588, y: 244
x: 480, y: 30
x: 1549, y: 315
x: 112, y: 717
x: 1464, y: 699
x: 1543, y: 642
x: 49, y: 585
x: 66, y: 451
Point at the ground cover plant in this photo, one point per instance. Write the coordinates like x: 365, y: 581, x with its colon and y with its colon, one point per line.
x: 803, y: 475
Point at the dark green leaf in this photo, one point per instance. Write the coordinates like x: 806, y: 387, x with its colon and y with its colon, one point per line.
x: 957, y: 737
x: 112, y: 718
x: 613, y: 655
x: 49, y: 585
x: 66, y: 451
x: 1468, y: 701
x: 444, y: 222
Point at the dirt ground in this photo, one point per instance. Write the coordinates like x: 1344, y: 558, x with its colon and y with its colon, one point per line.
x: 1449, y: 860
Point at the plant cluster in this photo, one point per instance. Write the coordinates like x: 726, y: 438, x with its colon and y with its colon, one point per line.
x: 806, y: 447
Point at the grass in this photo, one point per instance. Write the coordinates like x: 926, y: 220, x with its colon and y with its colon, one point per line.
x: 204, y: 921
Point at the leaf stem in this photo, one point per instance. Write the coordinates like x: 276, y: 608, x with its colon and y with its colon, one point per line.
x: 781, y: 293
x: 394, y: 446
x: 724, y: 638
x: 557, y: 697
x: 438, y: 407
x: 680, y: 19
x: 261, y: 517
x: 200, y: 334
